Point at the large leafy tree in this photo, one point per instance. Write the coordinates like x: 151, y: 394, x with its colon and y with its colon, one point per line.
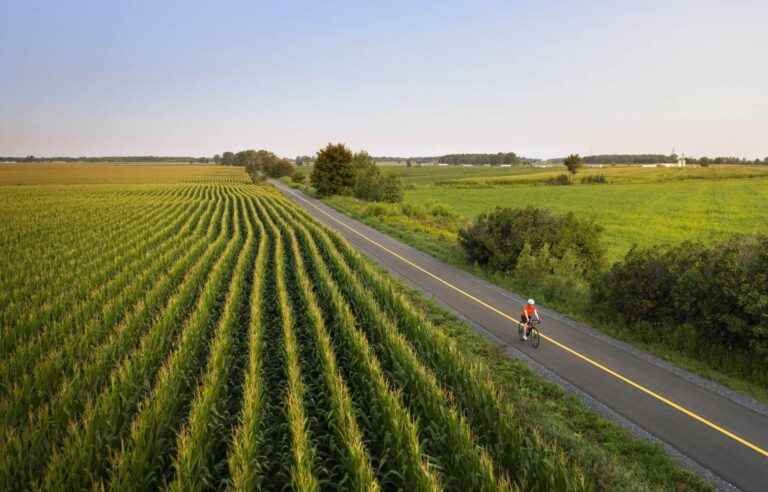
x: 228, y: 159
x: 334, y: 172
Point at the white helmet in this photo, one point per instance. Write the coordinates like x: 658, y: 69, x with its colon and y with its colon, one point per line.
x: 531, y: 302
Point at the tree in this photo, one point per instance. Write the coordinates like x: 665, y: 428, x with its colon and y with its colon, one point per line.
x: 217, y: 159
x: 573, y: 163
x: 362, y: 161
x: 408, y: 163
x: 277, y: 168
x: 391, y: 189
x: 228, y: 159
x: 246, y: 159
x: 367, y: 183
x: 334, y: 172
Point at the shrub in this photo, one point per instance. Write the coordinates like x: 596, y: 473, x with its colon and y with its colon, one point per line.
x: 562, y: 180
x: 558, y: 279
x: 391, y: 189
x: 371, y: 185
x: 722, y: 290
x: 277, y: 168
x: 497, y: 238
x: 376, y: 210
x: 298, y: 178
x: 367, y: 184
x: 413, y: 211
x: 440, y: 210
x: 594, y: 179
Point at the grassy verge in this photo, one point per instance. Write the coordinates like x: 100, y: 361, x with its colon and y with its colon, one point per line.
x: 435, y: 234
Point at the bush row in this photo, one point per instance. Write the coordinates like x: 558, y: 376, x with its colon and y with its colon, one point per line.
x: 719, y: 293
x: 721, y: 290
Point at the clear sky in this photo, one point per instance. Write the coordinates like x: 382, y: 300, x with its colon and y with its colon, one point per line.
x: 540, y: 78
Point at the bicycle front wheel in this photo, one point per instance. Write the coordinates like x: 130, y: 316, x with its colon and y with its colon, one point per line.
x: 535, y: 338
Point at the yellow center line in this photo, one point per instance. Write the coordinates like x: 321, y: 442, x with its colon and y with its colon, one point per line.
x: 571, y: 351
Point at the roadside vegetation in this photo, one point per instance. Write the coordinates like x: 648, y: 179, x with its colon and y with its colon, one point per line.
x: 648, y: 217
x: 337, y: 171
x: 229, y: 341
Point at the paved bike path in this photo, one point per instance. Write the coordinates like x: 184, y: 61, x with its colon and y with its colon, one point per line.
x: 708, y: 426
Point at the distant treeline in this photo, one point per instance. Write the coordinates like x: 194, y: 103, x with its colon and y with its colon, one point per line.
x: 493, y: 159
x: 413, y: 160
x: 496, y: 159
x: 302, y: 160
x: 130, y: 158
x: 658, y: 159
x: 724, y: 160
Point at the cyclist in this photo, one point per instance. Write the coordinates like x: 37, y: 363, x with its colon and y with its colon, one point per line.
x: 529, y: 313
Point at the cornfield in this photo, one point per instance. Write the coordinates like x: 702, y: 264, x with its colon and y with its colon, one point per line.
x: 211, y: 335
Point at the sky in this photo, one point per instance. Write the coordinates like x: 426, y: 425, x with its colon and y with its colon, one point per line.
x: 406, y: 78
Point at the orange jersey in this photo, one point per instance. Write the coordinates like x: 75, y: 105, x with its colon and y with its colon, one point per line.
x: 529, y: 310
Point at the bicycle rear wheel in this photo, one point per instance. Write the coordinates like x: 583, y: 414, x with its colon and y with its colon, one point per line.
x: 535, y: 338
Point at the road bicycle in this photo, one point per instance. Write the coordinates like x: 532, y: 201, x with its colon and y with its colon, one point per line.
x: 533, y: 332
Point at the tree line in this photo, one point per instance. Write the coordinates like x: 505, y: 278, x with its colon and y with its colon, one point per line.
x: 497, y: 159
x: 723, y: 160
x: 494, y: 159
x: 659, y: 159
x: 257, y: 163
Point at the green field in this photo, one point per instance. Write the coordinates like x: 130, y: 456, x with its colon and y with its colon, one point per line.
x: 207, y: 334
x: 639, y: 206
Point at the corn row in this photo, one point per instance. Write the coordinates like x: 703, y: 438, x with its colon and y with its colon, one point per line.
x: 83, y: 457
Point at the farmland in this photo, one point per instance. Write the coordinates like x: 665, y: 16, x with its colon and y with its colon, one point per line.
x: 638, y: 206
x: 207, y: 334
x: 643, y: 207
x: 114, y: 173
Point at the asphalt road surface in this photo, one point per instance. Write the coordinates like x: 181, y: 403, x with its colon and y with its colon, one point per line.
x: 718, y: 430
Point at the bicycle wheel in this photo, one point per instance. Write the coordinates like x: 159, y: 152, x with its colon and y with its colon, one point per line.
x: 535, y: 338
x: 520, y: 329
